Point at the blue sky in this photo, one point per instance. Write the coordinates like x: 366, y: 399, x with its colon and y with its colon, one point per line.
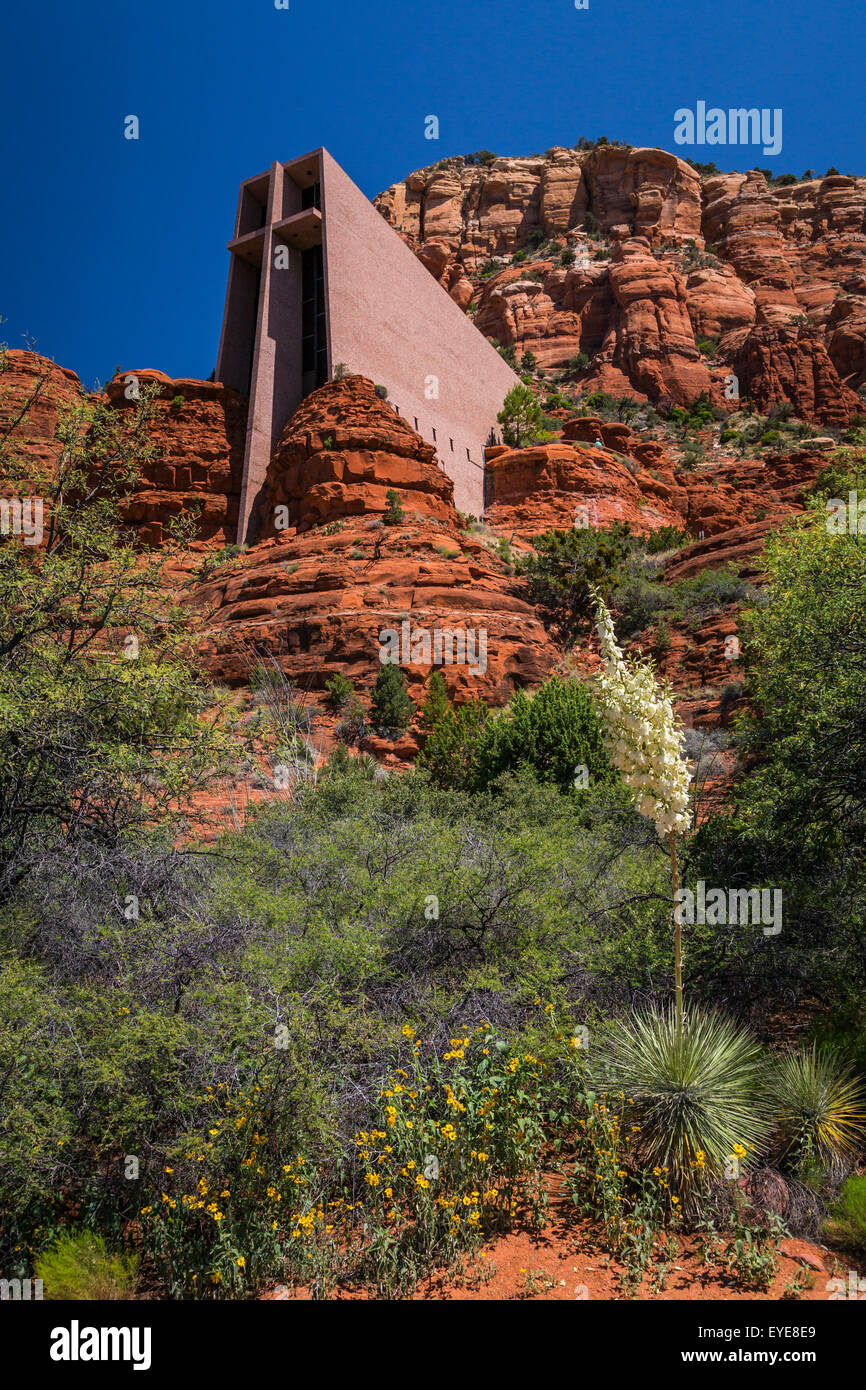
x: 112, y: 252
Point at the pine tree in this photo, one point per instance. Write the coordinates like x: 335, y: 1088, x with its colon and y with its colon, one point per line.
x: 520, y: 417
x: 392, y: 707
x: 435, y: 704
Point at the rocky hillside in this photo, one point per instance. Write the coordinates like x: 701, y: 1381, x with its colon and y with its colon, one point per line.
x: 337, y: 562
x: 665, y: 281
x: 316, y: 594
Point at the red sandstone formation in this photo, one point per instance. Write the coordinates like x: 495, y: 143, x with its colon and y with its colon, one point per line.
x: 778, y: 364
x: 492, y: 210
x: 317, y: 593
x: 340, y: 453
x: 567, y: 484
x: 776, y: 275
x: 317, y: 603
x: 32, y: 392
x: 199, y: 432
x: 653, y: 338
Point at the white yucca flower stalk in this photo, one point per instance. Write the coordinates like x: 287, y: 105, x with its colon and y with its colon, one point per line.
x: 645, y: 741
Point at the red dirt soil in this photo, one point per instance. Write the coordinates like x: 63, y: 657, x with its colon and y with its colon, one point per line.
x: 565, y: 1261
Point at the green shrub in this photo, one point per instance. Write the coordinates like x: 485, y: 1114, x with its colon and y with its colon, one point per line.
x: 693, y: 454
x: 705, y: 170
x: 392, y: 707
x: 661, y: 644
x: 564, y: 565
x: 665, y: 538
x: 503, y: 550
x: 106, y: 723
x: 340, y: 690
x: 639, y: 600
x: 845, y: 472
x: 450, y: 752
x: 435, y: 703
x: 551, y: 733
x: 847, y: 1219
x: 701, y: 412
x: 798, y: 818
x: 750, y: 1254
x: 601, y: 401
x: 215, y: 559
x: 393, y: 514
x: 79, y: 1267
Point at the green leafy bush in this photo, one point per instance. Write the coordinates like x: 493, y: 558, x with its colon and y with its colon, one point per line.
x: 551, y: 733
x: 798, y: 819
x: 665, y: 538
x: 641, y: 600
x: 340, y: 690
x: 564, y: 565
x: 450, y: 752
x: 102, y: 715
x: 701, y: 412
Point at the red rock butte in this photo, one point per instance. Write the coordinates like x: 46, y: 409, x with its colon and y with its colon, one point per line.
x: 674, y: 280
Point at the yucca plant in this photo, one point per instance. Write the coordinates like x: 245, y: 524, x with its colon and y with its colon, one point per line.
x: 698, y: 1093
x: 820, y: 1107
x: 78, y: 1266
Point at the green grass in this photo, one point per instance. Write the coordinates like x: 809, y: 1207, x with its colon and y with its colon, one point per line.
x: 81, y: 1268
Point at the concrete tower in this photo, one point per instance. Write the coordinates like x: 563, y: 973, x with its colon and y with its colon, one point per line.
x: 318, y: 278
